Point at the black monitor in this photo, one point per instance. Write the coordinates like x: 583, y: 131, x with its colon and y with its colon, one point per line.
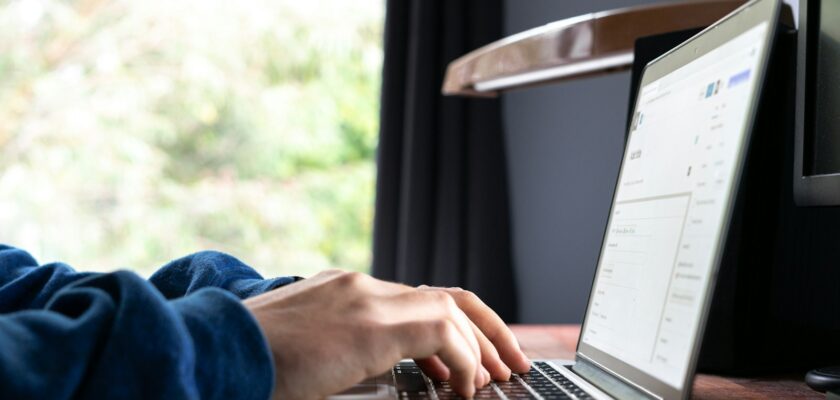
x: 817, y: 157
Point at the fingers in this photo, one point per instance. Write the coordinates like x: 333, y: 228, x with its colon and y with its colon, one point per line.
x: 442, y: 338
x: 434, y: 368
x: 496, y: 369
x: 436, y: 305
x: 492, y: 327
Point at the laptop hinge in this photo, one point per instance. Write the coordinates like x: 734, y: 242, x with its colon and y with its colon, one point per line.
x: 606, y: 382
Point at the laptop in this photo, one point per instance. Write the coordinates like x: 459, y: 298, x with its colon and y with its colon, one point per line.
x: 665, y: 233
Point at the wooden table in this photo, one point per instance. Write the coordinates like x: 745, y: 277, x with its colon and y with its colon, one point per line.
x: 560, y: 341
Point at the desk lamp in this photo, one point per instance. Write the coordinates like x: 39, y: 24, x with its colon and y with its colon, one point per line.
x: 573, y: 48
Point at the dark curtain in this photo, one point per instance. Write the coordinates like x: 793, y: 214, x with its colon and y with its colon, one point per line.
x: 442, y: 215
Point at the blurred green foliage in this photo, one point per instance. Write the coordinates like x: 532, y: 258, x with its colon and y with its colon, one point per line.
x: 134, y: 132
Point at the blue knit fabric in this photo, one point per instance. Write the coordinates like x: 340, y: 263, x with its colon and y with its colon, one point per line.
x: 183, y: 334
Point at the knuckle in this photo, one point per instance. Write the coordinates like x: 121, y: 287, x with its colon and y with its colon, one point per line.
x: 457, y: 292
x: 463, y: 294
x: 441, y: 328
x: 471, y: 296
x: 449, y: 303
x: 444, y: 300
x: 440, y: 297
x: 353, y: 279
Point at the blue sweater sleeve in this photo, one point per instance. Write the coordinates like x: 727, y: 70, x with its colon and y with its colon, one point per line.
x: 65, y: 334
x: 213, y: 269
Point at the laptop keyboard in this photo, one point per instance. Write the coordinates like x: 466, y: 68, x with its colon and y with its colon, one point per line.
x: 541, y: 382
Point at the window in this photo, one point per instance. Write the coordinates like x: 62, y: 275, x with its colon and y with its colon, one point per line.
x: 135, y: 132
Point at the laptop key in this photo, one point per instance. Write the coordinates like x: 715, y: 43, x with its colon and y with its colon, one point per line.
x: 409, y: 382
x: 514, y: 390
x: 486, y: 392
x: 412, y: 384
x: 573, y: 390
x: 543, y: 386
x: 444, y: 391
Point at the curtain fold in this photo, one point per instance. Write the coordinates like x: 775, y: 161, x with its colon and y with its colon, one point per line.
x: 442, y: 213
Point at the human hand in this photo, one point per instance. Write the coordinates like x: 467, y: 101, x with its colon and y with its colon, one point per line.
x: 337, y: 328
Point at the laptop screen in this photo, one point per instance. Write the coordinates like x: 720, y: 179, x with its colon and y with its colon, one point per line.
x: 671, y: 206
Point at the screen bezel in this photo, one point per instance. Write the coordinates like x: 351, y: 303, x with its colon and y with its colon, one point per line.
x: 739, y: 21
x: 809, y: 189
